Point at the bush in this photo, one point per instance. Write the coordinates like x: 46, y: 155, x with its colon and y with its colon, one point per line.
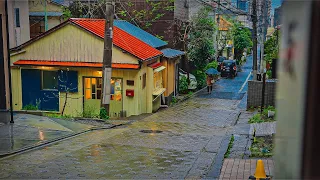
x: 213, y: 64
x: 174, y: 100
x: 30, y: 107
x: 256, y: 119
x: 90, y: 112
x: 183, y: 85
x: 103, y: 113
x: 260, y: 118
x: 269, y: 73
x: 201, y: 78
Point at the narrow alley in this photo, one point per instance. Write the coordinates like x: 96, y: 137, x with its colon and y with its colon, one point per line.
x: 183, y: 141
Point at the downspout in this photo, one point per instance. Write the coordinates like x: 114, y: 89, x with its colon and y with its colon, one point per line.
x: 9, y: 62
x: 45, y: 16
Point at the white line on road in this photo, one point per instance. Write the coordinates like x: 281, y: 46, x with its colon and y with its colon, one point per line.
x: 244, y: 83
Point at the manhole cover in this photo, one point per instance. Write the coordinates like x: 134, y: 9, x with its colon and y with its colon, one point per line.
x: 150, y: 131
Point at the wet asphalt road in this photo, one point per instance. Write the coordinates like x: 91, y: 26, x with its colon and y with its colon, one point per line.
x: 233, y: 88
x: 191, y: 135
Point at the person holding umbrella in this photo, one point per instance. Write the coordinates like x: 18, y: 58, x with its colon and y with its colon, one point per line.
x: 209, y: 83
x: 210, y: 72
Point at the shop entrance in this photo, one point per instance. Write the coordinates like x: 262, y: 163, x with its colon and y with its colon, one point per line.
x: 93, y: 94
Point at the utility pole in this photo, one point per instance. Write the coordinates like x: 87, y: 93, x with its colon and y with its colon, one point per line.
x: 218, y: 31
x: 46, y: 28
x: 263, y: 34
x: 254, y: 36
x: 107, y: 55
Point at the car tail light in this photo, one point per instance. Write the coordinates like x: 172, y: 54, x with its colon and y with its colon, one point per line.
x: 234, y: 67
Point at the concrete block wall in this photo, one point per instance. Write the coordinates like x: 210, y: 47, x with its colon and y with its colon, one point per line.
x: 255, y: 93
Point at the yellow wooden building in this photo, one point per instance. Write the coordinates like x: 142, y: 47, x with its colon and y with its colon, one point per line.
x: 171, y: 60
x: 66, y: 61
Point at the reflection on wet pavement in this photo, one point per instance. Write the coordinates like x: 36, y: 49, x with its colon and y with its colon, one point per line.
x: 191, y: 137
x: 186, y: 148
x: 29, y: 130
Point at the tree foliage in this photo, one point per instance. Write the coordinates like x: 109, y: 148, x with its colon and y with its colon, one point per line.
x: 213, y: 64
x: 183, y: 85
x: 145, y: 15
x: 242, y: 40
x: 142, y: 14
x: 201, y: 46
x: 271, y: 47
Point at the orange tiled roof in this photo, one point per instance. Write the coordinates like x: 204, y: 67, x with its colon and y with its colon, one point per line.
x: 73, y: 64
x: 121, y: 38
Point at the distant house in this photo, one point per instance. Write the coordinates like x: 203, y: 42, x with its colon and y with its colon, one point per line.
x: 37, y: 11
x: 277, y: 16
x: 18, y: 16
x: 225, y: 45
x: 68, y: 58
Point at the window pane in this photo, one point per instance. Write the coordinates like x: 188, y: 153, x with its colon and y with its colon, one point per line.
x: 144, y: 80
x: 49, y: 80
x: 93, y: 96
x: 98, y: 94
x: 88, y: 94
x: 17, y: 14
x: 87, y: 83
x: 112, y: 86
x: 99, y: 85
x: 93, y: 88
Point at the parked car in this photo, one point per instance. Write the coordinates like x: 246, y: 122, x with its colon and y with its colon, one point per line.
x: 229, y: 68
x: 220, y: 60
x: 193, y: 81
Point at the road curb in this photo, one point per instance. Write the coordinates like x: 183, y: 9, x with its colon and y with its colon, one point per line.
x: 215, y: 169
x: 33, y: 147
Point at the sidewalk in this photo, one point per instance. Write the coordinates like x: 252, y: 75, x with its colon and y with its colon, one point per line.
x: 30, y: 130
x: 243, y: 168
x: 239, y: 165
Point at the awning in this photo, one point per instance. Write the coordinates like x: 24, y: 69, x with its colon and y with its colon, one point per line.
x: 74, y: 64
x: 159, y: 69
x: 172, y: 53
x: 56, y: 14
x: 159, y: 91
x: 155, y: 65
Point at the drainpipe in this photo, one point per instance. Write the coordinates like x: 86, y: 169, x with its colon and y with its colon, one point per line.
x: 45, y: 16
x: 9, y: 62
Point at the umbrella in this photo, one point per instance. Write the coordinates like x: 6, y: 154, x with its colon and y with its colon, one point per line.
x: 212, y: 71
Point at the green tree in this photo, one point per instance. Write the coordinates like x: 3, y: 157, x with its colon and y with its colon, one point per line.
x: 201, y: 47
x: 271, y: 47
x: 142, y: 13
x: 242, y: 40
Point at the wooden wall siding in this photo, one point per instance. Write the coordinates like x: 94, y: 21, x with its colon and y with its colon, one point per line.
x: 165, y: 76
x: 71, y: 43
x: 169, y: 76
x: 142, y: 102
x: 74, y: 105
x: 38, y: 6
